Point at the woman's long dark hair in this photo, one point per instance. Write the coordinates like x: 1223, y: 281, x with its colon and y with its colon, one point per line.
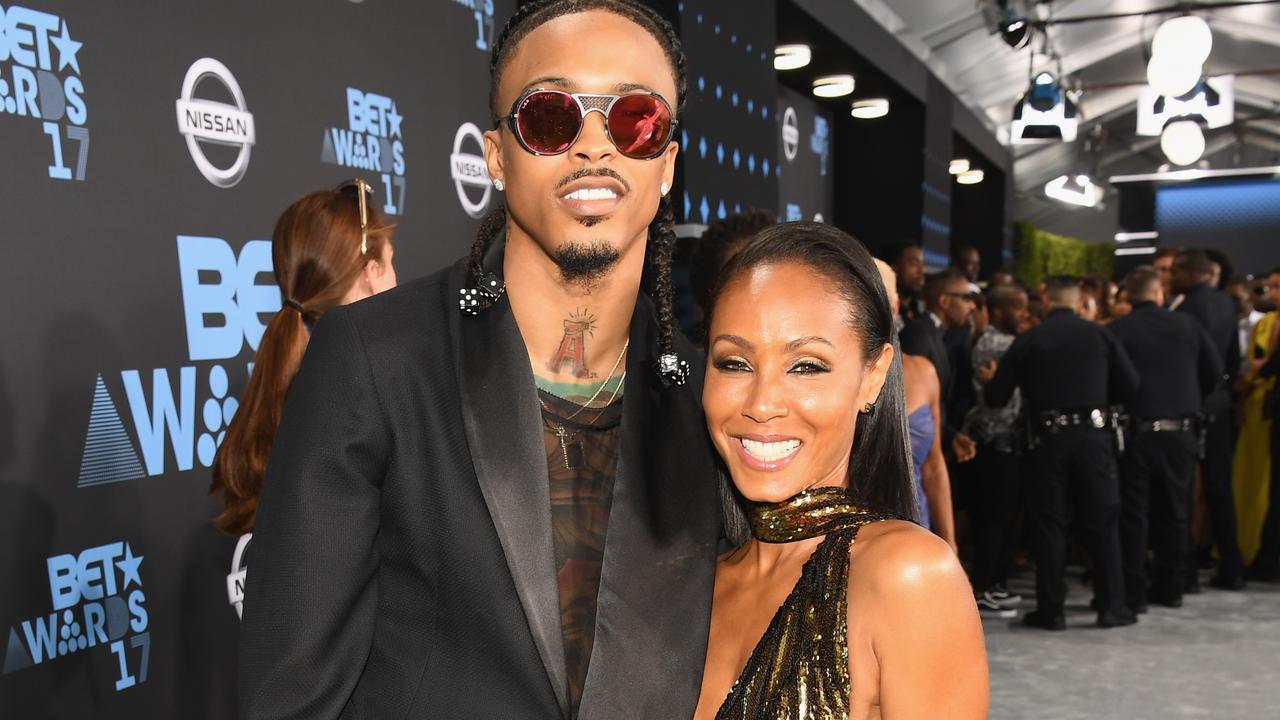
x: 316, y: 258
x: 880, y: 474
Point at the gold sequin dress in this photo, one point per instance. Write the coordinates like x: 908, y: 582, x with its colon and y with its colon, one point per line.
x: 800, y: 668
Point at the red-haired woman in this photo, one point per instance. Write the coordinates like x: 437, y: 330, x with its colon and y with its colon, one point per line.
x: 328, y: 248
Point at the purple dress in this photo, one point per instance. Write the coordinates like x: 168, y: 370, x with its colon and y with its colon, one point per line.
x: 921, y: 430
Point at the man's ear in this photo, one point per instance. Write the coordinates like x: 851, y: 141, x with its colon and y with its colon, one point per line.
x: 493, y: 154
x: 669, y: 163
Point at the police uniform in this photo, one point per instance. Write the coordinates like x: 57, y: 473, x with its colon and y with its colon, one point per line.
x: 1070, y: 371
x: 1216, y: 314
x: 1179, y: 365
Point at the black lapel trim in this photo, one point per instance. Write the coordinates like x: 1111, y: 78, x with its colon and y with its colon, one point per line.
x: 503, y: 423
x: 654, y: 606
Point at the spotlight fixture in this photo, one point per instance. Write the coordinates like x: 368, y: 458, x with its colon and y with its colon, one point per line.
x: 959, y: 165
x: 1075, y: 189
x: 791, y: 57
x: 1044, y: 113
x: 833, y: 86
x: 870, y: 108
x: 1212, y: 101
x: 1016, y: 32
x: 1008, y: 19
x: 970, y: 177
x: 1182, y: 142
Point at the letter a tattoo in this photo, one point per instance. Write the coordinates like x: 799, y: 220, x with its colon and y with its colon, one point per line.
x: 573, y: 347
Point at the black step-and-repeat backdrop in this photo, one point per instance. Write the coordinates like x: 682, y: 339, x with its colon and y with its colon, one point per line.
x: 805, y: 184
x: 148, y: 148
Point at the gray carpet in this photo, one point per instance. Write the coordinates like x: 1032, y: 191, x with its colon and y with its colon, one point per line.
x: 1218, y: 656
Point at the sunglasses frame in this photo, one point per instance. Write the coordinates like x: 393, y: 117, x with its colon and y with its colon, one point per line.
x: 589, y: 103
x: 362, y: 188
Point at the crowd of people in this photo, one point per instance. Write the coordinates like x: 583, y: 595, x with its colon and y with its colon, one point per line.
x: 1125, y: 424
x: 1133, y: 417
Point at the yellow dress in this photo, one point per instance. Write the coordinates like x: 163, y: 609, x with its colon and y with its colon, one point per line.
x: 1251, y: 472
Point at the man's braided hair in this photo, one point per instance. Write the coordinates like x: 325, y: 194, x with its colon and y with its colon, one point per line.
x: 662, y: 235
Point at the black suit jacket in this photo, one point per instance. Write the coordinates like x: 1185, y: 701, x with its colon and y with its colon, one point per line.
x: 1064, y: 363
x: 919, y: 336
x: 1217, y: 315
x: 1177, y: 360
x: 402, y: 559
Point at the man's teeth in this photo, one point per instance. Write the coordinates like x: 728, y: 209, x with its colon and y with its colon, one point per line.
x: 770, y: 451
x: 592, y: 194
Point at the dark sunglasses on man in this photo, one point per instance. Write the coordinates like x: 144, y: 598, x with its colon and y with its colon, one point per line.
x: 548, y: 122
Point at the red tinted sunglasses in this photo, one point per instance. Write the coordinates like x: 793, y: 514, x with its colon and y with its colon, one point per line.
x: 548, y: 122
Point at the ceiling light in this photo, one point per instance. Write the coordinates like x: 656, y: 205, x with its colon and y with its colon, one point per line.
x: 1009, y: 20
x: 958, y: 166
x: 970, y: 177
x: 1044, y: 113
x: 1212, y: 101
x: 870, y: 108
x: 1123, y: 237
x: 1173, y: 75
x: 832, y: 86
x: 1136, y: 251
x: 1182, y: 142
x: 1187, y: 37
x: 1074, y: 190
x: 1016, y: 32
x: 791, y: 57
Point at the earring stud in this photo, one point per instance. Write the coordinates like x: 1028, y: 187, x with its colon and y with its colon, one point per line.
x: 664, y: 189
x: 499, y: 185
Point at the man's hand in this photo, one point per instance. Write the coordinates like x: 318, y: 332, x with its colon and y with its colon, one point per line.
x: 964, y: 447
x: 987, y: 371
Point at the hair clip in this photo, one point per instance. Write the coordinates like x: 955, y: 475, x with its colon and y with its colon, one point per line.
x: 482, y: 297
x: 672, y: 369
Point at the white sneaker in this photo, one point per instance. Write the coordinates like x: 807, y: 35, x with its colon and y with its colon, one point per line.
x: 990, y: 608
x: 1002, y: 597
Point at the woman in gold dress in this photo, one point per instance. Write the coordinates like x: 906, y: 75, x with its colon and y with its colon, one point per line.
x: 805, y: 404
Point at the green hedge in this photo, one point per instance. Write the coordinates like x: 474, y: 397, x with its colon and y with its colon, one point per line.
x: 1039, y: 254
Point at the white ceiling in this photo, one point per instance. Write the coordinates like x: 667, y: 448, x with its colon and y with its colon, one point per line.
x: 1107, y: 60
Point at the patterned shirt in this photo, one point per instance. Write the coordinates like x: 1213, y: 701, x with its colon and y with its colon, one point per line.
x: 988, y: 425
x: 582, y: 461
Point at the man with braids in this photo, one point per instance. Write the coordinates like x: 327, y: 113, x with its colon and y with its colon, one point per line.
x: 492, y: 492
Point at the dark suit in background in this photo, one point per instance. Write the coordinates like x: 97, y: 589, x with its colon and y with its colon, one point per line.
x: 922, y: 336
x: 1179, y: 365
x: 403, y: 557
x: 1216, y: 314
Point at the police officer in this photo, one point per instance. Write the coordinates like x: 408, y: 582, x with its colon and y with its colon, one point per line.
x: 1179, y: 366
x: 1070, y: 371
x: 1216, y: 314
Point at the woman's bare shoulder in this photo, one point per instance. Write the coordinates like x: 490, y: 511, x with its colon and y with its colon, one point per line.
x: 897, y: 556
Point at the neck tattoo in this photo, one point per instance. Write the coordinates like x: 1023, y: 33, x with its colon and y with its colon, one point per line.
x: 579, y: 326
x: 562, y: 433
